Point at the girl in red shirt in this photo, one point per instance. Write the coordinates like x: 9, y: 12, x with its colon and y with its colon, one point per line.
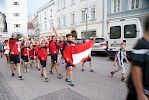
x: 25, y: 56
x: 31, y: 55
x: 36, y: 55
x: 61, y: 46
x: 43, y: 56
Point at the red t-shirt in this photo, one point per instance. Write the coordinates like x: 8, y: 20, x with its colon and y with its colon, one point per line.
x: 31, y: 53
x: 25, y: 51
x: 61, y: 45
x: 53, y: 48
x: 14, y: 46
x: 36, y: 49
x: 43, y: 53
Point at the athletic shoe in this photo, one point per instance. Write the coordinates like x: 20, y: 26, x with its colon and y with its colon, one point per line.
x: 51, y: 73
x: 46, y: 79
x: 27, y: 70
x: 123, y: 79
x: 13, y: 74
x: 82, y: 70
x: 38, y: 69
x: 20, y: 78
x: 59, y: 76
x: 112, y: 74
x: 68, y: 80
x: 71, y: 83
x: 24, y: 70
x: 91, y: 70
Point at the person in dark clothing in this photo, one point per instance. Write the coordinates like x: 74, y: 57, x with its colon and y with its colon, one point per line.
x: 138, y: 80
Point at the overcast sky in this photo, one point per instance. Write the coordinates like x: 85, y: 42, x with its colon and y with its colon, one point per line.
x: 33, y: 5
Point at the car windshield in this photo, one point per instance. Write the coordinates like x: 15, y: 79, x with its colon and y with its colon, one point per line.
x: 99, y: 40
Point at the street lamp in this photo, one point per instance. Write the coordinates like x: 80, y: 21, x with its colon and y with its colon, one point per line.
x: 86, y: 15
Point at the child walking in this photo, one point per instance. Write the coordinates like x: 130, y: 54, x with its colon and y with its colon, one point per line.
x: 43, y: 56
x: 119, y: 61
x: 7, y: 50
x: 31, y: 55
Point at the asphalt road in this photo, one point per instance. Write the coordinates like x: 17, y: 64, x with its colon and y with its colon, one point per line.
x: 89, y: 86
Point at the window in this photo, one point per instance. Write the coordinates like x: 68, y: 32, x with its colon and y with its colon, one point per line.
x: 45, y: 15
x: 51, y: 13
x: 72, y: 2
x: 16, y: 14
x: 64, y: 4
x: 93, y: 13
x: 83, y: 15
x: 115, y: 32
x: 45, y: 26
x: 40, y: 18
x: 59, y: 22
x: 134, y: 4
x: 64, y: 20
x: 99, y: 40
x: 130, y: 31
x: 116, y: 6
x: 58, y: 5
x: 16, y: 25
x: 73, y: 18
x: 15, y: 3
x: 51, y: 25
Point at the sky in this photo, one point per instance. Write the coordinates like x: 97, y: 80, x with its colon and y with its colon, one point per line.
x: 33, y: 5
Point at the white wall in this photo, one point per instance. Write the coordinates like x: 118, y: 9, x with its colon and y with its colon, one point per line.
x: 22, y: 19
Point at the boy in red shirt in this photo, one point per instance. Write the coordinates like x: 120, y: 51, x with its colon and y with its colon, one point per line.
x: 15, y: 55
x: 61, y: 46
x: 43, y: 56
x: 54, y: 50
x: 67, y: 54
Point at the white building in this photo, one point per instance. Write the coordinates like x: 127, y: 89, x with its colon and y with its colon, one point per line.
x: 31, y: 17
x: 46, y: 18
x: 2, y: 23
x: 16, y: 12
x: 35, y: 25
x: 71, y: 15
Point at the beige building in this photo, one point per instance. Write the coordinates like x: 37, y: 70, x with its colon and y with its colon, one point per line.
x: 3, y: 26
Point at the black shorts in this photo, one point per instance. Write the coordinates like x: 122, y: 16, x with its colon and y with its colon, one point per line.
x: 43, y: 63
x: 54, y: 58
x: 25, y: 58
x: 69, y: 65
x: 89, y: 59
x: 31, y: 58
x: 14, y: 59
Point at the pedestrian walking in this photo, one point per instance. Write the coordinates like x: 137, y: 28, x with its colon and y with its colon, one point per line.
x: 15, y: 55
x: 31, y: 55
x: 37, y: 46
x: 119, y: 61
x: 1, y: 49
x: 6, y: 51
x: 54, y: 50
x: 138, y: 80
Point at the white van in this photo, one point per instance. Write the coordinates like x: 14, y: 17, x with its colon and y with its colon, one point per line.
x: 125, y: 30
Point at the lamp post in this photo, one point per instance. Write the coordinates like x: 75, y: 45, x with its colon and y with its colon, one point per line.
x: 86, y: 16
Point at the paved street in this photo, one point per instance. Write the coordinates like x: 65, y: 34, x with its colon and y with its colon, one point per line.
x: 89, y: 86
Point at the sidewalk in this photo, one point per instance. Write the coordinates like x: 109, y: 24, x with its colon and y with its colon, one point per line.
x: 5, y: 90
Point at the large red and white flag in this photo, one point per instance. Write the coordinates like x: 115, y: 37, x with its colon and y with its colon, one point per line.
x: 81, y: 52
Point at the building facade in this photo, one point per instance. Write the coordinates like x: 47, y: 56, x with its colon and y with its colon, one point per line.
x: 126, y: 9
x: 84, y: 16
x: 46, y: 18
x: 16, y: 12
x: 3, y: 24
x: 35, y: 25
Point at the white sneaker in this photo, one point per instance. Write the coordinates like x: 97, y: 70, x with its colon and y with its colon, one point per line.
x: 24, y: 70
x: 27, y: 70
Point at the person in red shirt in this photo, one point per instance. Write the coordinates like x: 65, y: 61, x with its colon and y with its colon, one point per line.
x: 43, y: 56
x: 15, y: 55
x: 31, y: 55
x: 25, y: 56
x: 54, y: 50
x: 61, y: 46
x: 66, y: 50
x: 36, y: 55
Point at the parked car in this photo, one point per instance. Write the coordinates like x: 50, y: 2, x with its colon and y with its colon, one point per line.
x: 100, y: 46
x: 79, y: 41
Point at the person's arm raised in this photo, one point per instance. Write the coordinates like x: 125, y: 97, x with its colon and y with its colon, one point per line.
x: 56, y: 34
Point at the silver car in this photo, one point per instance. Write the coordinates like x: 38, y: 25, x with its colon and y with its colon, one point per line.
x: 100, y: 46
